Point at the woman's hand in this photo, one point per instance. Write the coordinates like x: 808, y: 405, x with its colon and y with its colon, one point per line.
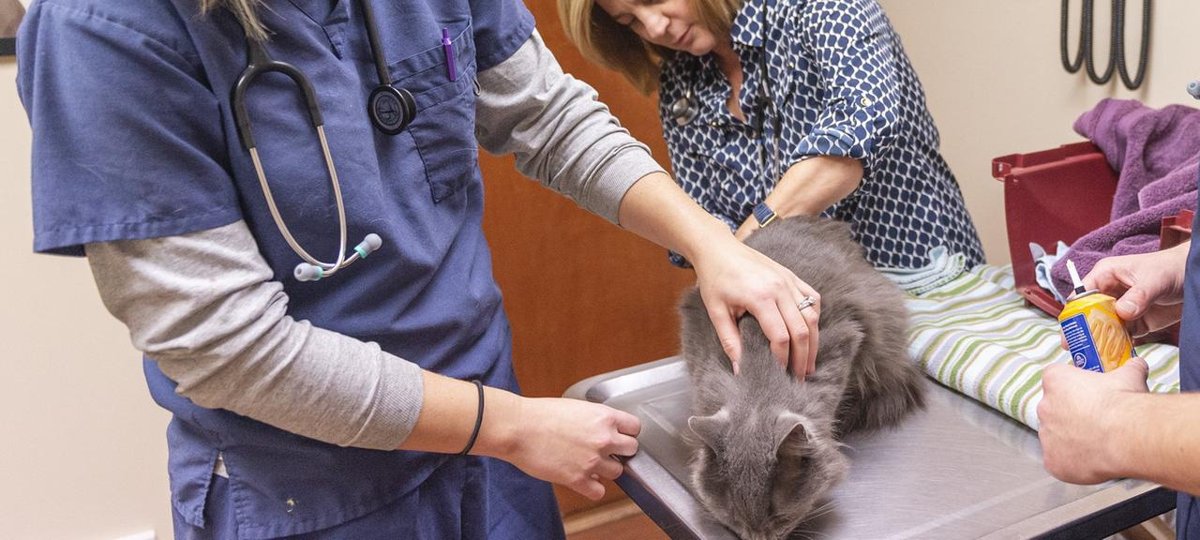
x: 735, y: 279
x: 1148, y: 287
x: 566, y: 441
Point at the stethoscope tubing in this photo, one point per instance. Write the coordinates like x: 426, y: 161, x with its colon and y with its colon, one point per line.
x: 766, y: 94
x: 259, y: 63
x: 684, y: 109
x: 342, y: 261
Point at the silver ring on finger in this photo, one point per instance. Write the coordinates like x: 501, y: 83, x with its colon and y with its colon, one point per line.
x: 808, y: 302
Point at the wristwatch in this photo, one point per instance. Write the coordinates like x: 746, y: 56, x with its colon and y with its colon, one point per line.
x: 764, y: 214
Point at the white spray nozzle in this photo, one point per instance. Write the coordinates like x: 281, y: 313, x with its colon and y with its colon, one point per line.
x: 1076, y: 282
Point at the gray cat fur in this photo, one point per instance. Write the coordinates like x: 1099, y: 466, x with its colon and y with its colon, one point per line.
x: 765, y: 446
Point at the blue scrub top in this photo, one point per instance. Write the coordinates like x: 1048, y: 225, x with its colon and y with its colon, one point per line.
x: 1187, y: 517
x: 134, y: 138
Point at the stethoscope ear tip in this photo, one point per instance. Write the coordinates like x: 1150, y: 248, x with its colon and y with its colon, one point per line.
x: 372, y: 242
x: 308, y: 272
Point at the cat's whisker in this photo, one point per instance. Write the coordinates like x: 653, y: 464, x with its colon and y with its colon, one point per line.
x: 807, y: 534
x: 820, y: 511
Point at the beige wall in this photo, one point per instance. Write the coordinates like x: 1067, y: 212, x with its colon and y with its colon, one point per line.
x: 83, y: 451
x: 995, y: 85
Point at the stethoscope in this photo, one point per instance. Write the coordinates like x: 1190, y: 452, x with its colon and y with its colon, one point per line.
x: 391, y: 109
x: 685, y: 109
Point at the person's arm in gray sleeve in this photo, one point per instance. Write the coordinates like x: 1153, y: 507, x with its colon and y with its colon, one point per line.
x: 203, y: 306
x: 561, y: 135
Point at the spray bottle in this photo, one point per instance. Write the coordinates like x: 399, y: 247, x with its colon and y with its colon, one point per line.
x: 1095, y: 335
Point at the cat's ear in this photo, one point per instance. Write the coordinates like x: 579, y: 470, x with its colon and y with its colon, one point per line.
x: 792, y: 433
x: 710, y: 428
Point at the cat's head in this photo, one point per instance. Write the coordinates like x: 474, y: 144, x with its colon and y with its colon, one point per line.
x: 761, y: 473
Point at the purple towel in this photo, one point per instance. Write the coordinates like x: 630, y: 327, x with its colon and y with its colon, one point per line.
x: 1157, y: 153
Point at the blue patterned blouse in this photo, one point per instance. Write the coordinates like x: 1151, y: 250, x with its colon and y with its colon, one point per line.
x: 842, y: 86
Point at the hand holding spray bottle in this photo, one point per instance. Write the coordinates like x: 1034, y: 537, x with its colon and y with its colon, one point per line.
x: 1095, y: 335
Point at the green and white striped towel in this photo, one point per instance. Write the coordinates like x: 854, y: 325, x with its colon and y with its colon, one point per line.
x: 976, y: 335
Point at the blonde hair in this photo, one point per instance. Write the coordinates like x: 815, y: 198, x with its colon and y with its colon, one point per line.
x: 603, y: 41
x: 246, y: 12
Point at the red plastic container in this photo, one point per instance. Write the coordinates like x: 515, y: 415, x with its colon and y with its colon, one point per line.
x: 1063, y: 194
x: 1052, y: 195
x: 1176, y: 229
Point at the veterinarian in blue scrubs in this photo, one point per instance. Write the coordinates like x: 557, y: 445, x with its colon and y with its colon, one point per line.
x: 221, y: 228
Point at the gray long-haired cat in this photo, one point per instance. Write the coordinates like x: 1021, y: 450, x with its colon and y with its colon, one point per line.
x: 766, y: 446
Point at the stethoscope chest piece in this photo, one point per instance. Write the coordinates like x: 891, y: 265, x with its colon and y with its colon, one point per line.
x: 683, y: 110
x: 391, y: 109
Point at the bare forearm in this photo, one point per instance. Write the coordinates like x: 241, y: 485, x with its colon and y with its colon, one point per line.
x: 812, y: 185
x: 1156, y: 437
x: 448, y: 417
x: 656, y: 209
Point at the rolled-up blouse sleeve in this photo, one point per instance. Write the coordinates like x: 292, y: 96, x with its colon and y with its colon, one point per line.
x: 850, y: 44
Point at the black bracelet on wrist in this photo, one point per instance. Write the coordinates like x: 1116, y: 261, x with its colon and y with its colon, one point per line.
x: 478, y: 420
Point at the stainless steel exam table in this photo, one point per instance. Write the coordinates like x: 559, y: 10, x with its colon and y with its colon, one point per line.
x: 956, y: 469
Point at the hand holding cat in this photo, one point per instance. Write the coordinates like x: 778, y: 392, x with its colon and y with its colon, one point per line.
x: 1082, y: 436
x: 735, y: 280
x: 572, y: 442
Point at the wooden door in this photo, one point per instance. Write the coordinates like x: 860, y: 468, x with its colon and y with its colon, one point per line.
x: 584, y: 296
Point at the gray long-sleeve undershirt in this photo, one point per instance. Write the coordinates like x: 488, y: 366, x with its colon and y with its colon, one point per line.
x: 559, y: 132
x: 202, y: 304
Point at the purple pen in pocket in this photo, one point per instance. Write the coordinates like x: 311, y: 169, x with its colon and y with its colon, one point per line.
x: 448, y: 48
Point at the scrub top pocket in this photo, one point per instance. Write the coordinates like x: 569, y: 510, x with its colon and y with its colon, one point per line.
x: 444, y: 127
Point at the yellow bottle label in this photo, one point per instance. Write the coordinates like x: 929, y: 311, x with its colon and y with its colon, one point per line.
x: 1094, y: 332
